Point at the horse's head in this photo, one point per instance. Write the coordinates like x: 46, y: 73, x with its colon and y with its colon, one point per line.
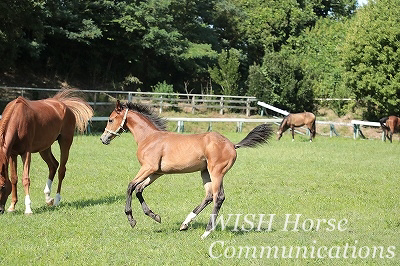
x: 5, y: 184
x: 115, y: 125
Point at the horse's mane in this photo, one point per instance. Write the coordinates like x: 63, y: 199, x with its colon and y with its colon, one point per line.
x: 5, y: 119
x: 146, y: 111
x: 81, y: 109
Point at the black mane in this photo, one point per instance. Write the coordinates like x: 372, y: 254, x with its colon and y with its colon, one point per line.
x: 146, y: 111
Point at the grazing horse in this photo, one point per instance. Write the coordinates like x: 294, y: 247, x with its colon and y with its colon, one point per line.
x: 32, y: 126
x: 160, y: 152
x: 298, y: 120
x: 390, y: 124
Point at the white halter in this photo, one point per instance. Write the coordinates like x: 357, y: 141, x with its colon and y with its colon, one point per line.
x: 121, y: 126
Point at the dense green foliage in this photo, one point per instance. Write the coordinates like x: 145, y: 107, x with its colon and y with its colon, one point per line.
x: 329, y: 178
x: 285, y: 52
x: 371, y: 56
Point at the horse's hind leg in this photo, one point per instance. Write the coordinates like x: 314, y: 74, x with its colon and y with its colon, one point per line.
x: 292, y: 129
x: 65, y: 145
x: 311, y: 129
x: 205, y: 175
x: 139, y: 189
x: 218, y: 198
x: 52, y: 164
x: 14, y: 181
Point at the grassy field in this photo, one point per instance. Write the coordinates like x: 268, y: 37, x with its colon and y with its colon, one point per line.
x: 334, y: 179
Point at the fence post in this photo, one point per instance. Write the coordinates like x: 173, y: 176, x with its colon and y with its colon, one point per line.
x: 221, y: 103
x: 193, y: 104
x: 130, y: 97
x: 209, y: 127
x: 332, y: 130
x: 383, y: 135
x: 94, y: 101
x: 355, y: 131
x: 239, y: 126
x: 181, y: 127
x: 248, y: 107
x: 161, y: 104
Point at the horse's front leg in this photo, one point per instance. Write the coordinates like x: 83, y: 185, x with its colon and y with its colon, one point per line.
x: 139, y: 189
x: 26, y: 159
x: 143, y: 173
x: 14, y: 181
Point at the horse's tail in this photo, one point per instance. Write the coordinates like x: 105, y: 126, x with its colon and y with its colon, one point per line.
x: 382, y: 121
x: 259, y: 135
x: 79, y: 107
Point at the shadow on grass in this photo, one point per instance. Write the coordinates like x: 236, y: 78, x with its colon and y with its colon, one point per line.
x: 80, y: 204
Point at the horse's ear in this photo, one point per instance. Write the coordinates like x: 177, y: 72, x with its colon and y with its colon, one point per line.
x: 119, y: 106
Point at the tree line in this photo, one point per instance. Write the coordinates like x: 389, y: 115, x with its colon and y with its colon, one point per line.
x: 284, y: 52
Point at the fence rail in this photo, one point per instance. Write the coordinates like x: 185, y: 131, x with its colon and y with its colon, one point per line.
x: 161, y: 101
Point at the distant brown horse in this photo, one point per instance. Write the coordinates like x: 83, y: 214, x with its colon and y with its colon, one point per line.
x: 161, y: 152
x: 32, y: 126
x: 298, y: 120
x: 390, y: 125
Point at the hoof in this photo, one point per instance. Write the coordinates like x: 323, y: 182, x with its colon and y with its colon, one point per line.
x: 206, y: 233
x: 50, y: 202
x: 132, y: 223
x: 157, y: 218
x: 183, y: 227
x: 11, y: 208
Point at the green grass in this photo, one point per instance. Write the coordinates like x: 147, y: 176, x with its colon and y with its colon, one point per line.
x: 330, y: 178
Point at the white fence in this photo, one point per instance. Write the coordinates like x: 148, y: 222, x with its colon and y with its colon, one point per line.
x: 161, y: 101
x: 195, y: 101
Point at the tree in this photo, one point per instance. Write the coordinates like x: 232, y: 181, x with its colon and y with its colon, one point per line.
x: 371, y: 57
x: 226, y: 74
x: 280, y: 82
x: 21, y: 31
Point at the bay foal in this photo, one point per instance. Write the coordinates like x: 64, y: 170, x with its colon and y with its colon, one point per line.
x: 160, y: 152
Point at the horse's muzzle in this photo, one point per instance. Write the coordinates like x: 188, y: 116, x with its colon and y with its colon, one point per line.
x: 105, y: 139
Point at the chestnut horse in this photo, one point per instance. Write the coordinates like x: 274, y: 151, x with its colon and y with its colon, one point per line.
x: 390, y: 124
x: 298, y: 120
x: 160, y: 152
x: 32, y: 126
